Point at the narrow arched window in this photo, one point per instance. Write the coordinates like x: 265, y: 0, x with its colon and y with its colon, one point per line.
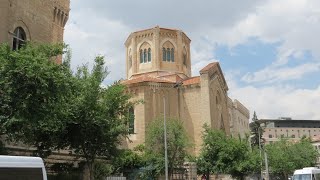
x: 172, y: 54
x: 144, y: 55
x: 130, y: 61
x: 141, y: 56
x: 19, y: 38
x: 131, y: 120
x: 168, y: 54
x: 164, y: 55
x: 185, y: 59
x: 149, y: 55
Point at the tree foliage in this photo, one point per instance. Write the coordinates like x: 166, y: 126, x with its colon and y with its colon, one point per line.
x: 99, y: 115
x: 223, y: 154
x: 177, y: 144
x: 285, y: 156
x: 47, y: 106
x: 256, y: 131
x: 33, y: 92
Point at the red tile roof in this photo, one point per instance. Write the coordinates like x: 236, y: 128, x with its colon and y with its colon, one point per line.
x: 192, y: 80
x: 208, y: 67
x: 146, y: 79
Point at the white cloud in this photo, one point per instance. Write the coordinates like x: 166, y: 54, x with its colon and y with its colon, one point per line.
x: 279, y: 101
x: 292, y: 24
x: 90, y: 35
x: 273, y: 75
x: 101, y: 27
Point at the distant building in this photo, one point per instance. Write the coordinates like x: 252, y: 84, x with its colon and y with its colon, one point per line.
x: 158, y: 66
x: 285, y: 127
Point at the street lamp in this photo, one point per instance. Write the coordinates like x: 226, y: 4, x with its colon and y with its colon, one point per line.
x: 165, y: 137
x: 265, y: 155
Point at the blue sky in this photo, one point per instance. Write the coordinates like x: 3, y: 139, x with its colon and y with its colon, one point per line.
x: 269, y: 50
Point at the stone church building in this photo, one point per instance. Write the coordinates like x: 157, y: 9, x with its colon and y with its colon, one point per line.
x: 33, y: 20
x: 158, y: 71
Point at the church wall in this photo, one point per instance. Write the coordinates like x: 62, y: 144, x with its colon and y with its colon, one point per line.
x: 36, y: 17
x: 138, y: 137
x: 191, y: 115
x: 4, y: 8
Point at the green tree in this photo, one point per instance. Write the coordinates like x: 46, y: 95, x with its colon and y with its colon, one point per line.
x: 285, y: 156
x: 256, y: 131
x: 177, y: 144
x: 99, y: 115
x: 224, y: 154
x: 213, y: 142
x: 33, y: 91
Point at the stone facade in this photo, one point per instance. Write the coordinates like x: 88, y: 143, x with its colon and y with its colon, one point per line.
x: 239, y: 119
x: 158, y: 67
x: 41, y: 20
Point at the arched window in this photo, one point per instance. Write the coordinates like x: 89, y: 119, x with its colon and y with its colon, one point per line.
x: 19, y: 38
x: 164, y: 55
x: 145, y: 56
x: 141, y: 56
x: 168, y: 54
x: 222, y: 123
x: 185, y: 59
x: 131, y: 120
x: 149, y: 55
x: 172, y: 54
x: 130, y: 61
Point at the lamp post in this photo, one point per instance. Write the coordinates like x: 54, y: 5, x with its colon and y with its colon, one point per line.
x: 165, y: 138
x: 265, y: 156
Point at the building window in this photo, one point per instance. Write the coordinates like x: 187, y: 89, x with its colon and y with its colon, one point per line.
x: 164, y: 54
x: 131, y: 120
x: 270, y: 135
x: 168, y: 55
x: 282, y: 135
x: 19, y: 38
x: 130, y: 61
x: 172, y: 55
x: 185, y: 59
x: 149, y: 55
x: 145, y: 56
x: 293, y: 136
x: 141, y: 56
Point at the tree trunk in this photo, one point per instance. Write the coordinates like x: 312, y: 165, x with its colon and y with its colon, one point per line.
x: 207, y: 175
x: 88, y: 171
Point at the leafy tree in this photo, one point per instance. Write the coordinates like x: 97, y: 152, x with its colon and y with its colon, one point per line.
x: 33, y: 91
x: 213, y: 141
x: 99, y: 116
x: 285, y: 156
x: 177, y: 144
x: 256, y: 131
x: 223, y: 154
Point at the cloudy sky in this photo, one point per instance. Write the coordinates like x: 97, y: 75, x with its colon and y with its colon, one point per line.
x: 269, y: 50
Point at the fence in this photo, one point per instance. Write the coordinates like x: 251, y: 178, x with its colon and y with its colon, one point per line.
x: 115, y: 178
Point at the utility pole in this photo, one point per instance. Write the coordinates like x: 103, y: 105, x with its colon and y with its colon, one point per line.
x: 165, y: 137
x: 266, y: 163
x: 259, y: 140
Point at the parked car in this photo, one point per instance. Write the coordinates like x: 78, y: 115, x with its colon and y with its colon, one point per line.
x: 22, y: 168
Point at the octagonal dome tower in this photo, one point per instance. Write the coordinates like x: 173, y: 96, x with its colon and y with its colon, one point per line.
x: 157, y: 52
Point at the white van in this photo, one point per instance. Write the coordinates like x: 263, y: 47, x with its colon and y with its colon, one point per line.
x: 308, y: 173
x: 22, y: 168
